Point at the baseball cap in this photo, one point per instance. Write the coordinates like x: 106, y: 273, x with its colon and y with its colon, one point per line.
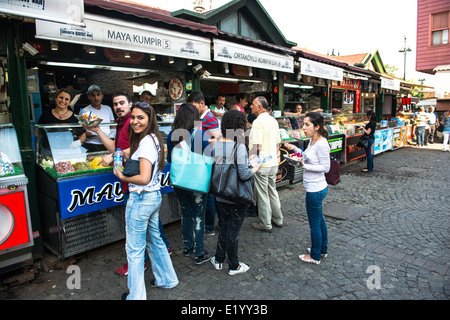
x: 93, y: 88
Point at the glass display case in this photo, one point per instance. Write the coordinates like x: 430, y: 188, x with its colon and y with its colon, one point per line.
x: 62, y: 156
x: 10, y: 158
x: 344, y: 123
x: 81, y: 202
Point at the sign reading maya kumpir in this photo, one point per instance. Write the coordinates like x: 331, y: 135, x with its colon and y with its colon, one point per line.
x: 225, y: 51
x: 118, y: 34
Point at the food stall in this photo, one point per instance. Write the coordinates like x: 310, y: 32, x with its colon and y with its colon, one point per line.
x: 16, y: 239
x: 81, y: 201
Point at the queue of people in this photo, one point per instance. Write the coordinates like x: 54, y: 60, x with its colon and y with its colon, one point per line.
x: 138, y: 136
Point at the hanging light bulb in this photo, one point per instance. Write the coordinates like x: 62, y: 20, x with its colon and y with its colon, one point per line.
x: 250, y: 72
x: 189, y: 62
x: 127, y: 55
x: 152, y: 57
x: 171, y: 60
x: 54, y: 45
x: 274, y: 74
x: 226, y: 68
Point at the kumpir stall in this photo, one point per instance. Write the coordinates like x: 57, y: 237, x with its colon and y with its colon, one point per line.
x: 80, y: 200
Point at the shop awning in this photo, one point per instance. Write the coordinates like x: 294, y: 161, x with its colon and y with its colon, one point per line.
x: 153, y: 14
x: 115, y: 33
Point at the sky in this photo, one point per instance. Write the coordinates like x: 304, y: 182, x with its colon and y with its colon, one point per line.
x: 347, y: 26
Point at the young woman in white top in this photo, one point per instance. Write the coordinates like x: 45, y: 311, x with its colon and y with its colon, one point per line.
x: 316, y: 162
x: 142, y: 211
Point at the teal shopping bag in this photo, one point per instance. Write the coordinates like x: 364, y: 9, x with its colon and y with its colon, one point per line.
x: 190, y: 170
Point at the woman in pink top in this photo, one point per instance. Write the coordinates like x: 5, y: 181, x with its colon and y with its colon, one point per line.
x: 242, y: 101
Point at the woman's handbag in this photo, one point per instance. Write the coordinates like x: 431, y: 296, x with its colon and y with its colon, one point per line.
x: 226, y: 184
x: 131, y: 168
x: 333, y: 176
x: 190, y: 170
x: 441, y: 127
x: 363, y: 142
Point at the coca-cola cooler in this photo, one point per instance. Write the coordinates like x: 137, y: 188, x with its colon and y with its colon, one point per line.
x: 16, y: 240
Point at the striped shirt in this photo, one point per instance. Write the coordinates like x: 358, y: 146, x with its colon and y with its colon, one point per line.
x: 209, y: 122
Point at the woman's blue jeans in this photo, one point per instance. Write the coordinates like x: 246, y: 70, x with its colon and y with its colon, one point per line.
x: 369, y: 154
x: 142, y: 231
x: 193, y: 208
x: 420, y: 133
x: 317, y: 225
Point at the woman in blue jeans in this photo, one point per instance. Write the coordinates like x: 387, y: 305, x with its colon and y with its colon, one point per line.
x: 369, y: 131
x: 142, y: 211
x: 192, y: 204
x: 316, y: 162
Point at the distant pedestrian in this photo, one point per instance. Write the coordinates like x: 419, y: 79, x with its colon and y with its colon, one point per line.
x: 315, y: 165
x: 369, y: 132
x: 446, y: 132
x: 142, y: 210
x: 233, y: 126
x: 264, y: 141
x: 421, y: 124
x: 432, y: 124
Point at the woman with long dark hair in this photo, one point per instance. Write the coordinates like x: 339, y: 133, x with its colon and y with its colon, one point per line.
x: 316, y: 162
x: 142, y: 211
x: 232, y: 142
x: 369, y: 131
x: 187, y: 127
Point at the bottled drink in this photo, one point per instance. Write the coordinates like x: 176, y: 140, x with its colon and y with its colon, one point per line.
x: 118, y: 158
x: 257, y: 160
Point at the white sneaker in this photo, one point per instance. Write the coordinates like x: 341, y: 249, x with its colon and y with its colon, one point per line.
x: 216, y: 265
x: 241, y: 269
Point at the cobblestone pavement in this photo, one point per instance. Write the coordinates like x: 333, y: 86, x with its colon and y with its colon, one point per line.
x: 401, y: 234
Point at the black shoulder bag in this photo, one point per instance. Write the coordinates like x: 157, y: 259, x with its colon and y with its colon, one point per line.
x: 226, y: 184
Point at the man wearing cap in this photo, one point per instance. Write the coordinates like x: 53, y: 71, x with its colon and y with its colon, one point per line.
x: 104, y: 112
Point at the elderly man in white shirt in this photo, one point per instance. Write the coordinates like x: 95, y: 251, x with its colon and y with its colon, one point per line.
x: 264, y: 141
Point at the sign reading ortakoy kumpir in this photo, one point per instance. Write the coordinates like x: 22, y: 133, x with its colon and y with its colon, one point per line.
x: 229, y: 52
x: 118, y: 34
x: 93, y: 193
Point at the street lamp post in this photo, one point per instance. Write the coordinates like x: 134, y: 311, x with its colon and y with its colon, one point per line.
x: 405, y: 50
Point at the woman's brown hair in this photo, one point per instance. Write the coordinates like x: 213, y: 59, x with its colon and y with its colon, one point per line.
x: 152, y: 128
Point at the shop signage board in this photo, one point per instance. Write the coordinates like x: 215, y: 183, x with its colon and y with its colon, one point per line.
x: 88, y: 194
x: 118, y: 34
x: 229, y: 52
x: 391, y: 84
x: 62, y: 11
x: 320, y: 70
x: 337, y: 146
x: 347, y: 83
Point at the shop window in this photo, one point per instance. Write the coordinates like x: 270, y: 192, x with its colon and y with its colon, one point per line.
x: 230, y: 24
x: 247, y: 30
x: 238, y: 24
x: 439, y: 28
